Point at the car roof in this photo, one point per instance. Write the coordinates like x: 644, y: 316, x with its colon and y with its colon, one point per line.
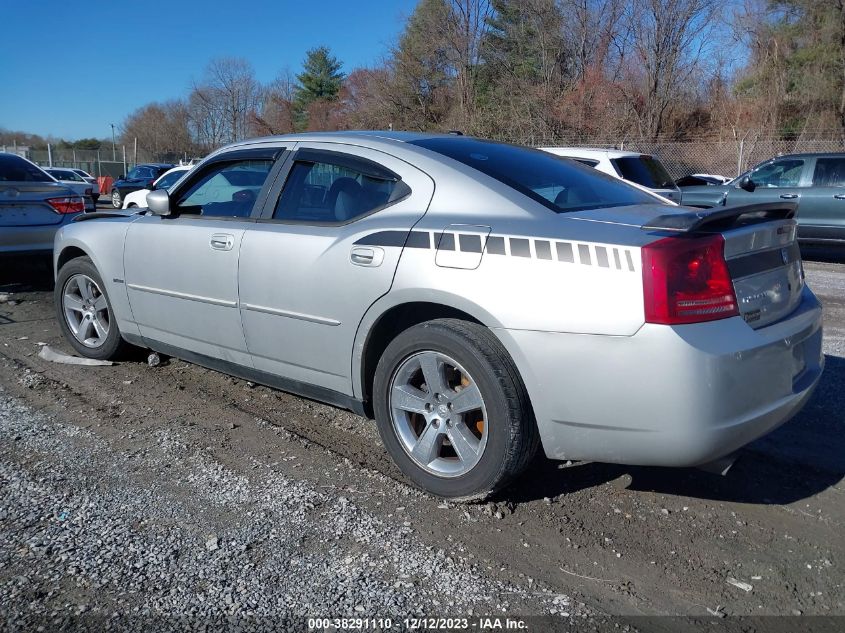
x: 591, y: 152
x: 809, y: 155
x: 159, y: 165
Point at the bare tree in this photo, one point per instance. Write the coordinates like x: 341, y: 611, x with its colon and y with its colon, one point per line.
x: 223, y: 105
x: 670, y: 39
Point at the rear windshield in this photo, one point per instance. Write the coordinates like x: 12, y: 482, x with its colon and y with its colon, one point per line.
x: 65, y: 174
x: 644, y: 170
x: 560, y: 184
x: 16, y: 169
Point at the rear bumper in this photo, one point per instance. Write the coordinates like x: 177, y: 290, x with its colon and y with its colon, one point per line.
x: 30, y: 239
x: 668, y: 396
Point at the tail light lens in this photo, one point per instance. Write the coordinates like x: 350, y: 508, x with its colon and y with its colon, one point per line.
x: 686, y: 280
x: 70, y: 204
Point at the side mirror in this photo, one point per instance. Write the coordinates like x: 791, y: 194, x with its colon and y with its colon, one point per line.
x: 747, y: 184
x: 158, y: 202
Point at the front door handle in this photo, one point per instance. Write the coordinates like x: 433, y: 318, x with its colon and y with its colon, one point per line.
x: 840, y: 196
x: 366, y: 256
x: 222, y: 241
x: 789, y: 196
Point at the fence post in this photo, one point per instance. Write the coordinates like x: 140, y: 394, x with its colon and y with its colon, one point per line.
x: 740, y: 157
x: 74, y: 157
x: 49, y: 155
x: 99, y: 166
x: 124, y: 160
x: 135, y: 152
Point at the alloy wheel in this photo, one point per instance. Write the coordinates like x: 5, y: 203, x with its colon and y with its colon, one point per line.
x: 86, y: 310
x: 438, y: 414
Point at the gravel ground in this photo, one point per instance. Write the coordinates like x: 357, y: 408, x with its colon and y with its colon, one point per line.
x: 169, y: 531
x: 133, y: 490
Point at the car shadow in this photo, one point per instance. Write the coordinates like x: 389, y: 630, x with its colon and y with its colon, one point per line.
x: 800, y: 459
x: 26, y: 273
x: 827, y: 254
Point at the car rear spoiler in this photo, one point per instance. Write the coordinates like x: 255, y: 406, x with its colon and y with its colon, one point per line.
x: 721, y: 218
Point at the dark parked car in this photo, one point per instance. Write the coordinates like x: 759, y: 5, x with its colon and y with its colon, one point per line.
x: 33, y: 206
x: 141, y: 177
x: 816, y: 182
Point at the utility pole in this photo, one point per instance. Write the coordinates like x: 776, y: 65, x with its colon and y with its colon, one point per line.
x: 113, y: 150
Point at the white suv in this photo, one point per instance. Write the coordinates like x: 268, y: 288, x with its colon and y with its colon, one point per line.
x: 641, y: 169
x: 166, y: 180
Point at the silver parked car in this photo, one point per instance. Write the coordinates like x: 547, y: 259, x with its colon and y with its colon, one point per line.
x: 32, y: 206
x: 480, y: 299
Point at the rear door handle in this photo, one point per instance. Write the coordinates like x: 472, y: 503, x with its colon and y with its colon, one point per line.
x: 222, y: 241
x: 840, y: 196
x: 366, y: 256
x: 789, y: 196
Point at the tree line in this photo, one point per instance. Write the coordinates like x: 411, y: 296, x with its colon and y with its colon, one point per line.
x: 526, y: 70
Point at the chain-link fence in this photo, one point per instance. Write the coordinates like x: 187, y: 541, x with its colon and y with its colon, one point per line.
x: 726, y: 157
x: 109, y: 161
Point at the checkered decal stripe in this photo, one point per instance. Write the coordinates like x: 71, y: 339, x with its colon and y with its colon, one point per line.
x: 611, y: 257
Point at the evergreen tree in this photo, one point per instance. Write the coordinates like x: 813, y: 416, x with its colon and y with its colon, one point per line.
x: 321, y: 77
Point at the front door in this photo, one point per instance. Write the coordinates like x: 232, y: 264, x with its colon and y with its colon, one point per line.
x: 181, y: 271
x: 779, y: 180
x: 311, y: 268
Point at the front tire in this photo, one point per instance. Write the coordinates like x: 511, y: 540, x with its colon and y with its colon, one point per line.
x: 452, y: 410
x: 85, y: 312
x: 116, y: 199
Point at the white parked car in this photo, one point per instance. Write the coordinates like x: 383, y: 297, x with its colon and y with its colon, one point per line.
x: 165, y: 181
x: 644, y: 170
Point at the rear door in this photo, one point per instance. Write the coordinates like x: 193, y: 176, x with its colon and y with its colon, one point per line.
x: 325, y: 250
x: 821, y: 215
x: 181, y: 272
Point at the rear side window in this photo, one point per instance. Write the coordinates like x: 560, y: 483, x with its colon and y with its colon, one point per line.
x: 227, y: 189
x: 66, y: 174
x: 829, y: 172
x: 16, y: 169
x: 561, y: 185
x: 644, y: 170
x: 327, y: 192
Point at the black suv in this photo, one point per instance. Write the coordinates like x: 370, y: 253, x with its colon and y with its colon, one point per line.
x: 141, y: 177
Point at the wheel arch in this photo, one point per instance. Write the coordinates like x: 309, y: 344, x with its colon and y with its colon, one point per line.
x: 66, y: 254
x: 394, y: 314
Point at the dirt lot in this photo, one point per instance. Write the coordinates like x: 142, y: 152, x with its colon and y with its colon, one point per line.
x: 576, y: 539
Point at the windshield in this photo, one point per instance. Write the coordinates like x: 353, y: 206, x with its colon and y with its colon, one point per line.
x: 168, y: 179
x: 644, y: 170
x: 560, y: 184
x: 16, y: 169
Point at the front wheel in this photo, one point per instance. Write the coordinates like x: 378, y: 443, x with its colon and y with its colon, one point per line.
x: 452, y: 410
x: 85, y: 313
x: 116, y: 199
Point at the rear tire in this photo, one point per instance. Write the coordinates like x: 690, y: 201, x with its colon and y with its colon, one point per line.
x: 482, y: 438
x: 85, y: 312
x: 116, y: 199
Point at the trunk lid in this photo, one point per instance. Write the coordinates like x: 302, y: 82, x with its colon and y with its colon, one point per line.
x: 23, y: 203
x: 761, y: 249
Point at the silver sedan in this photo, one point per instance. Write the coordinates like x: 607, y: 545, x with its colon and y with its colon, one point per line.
x: 479, y: 299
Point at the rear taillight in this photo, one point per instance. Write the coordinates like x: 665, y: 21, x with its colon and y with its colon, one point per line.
x: 686, y: 280
x: 70, y: 204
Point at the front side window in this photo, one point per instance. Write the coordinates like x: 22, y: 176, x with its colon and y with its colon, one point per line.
x: 779, y: 173
x: 323, y: 192
x: 558, y: 184
x: 226, y: 189
x: 829, y: 172
x: 16, y: 169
